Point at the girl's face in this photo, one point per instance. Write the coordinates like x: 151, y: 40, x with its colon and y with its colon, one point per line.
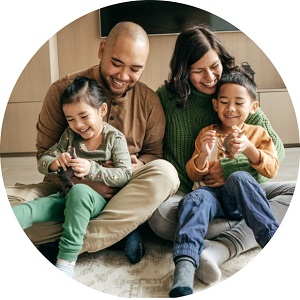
x: 206, y: 72
x: 234, y: 105
x: 84, y: 119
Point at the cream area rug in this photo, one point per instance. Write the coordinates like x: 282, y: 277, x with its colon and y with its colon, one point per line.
x: 110, y: 272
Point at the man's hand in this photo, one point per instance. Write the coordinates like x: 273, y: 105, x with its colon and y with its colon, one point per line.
x: 136, y: 163
x: 215, y: 176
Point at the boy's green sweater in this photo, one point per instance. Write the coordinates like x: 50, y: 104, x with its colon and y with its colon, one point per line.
x: 183, y: 126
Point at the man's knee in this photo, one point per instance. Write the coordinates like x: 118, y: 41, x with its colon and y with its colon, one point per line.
x: 168, y: 171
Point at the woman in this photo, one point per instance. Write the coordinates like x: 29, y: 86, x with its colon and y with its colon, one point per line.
x: 197, y: 63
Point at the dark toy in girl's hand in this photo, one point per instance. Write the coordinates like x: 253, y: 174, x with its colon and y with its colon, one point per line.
x: 66, y: 176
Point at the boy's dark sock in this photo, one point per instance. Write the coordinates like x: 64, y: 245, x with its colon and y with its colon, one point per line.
x: 183, y: 277
x: 134, y: 247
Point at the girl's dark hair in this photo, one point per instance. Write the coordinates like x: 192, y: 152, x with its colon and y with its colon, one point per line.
x: 191, y: 45
x: 83, y: 89
x: 241, y: 78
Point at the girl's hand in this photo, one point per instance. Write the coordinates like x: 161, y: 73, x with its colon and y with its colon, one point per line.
x: 54, y: 166
x: 80, y: 166
x: 63, y: 161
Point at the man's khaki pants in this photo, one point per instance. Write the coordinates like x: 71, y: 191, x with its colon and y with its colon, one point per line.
x: 134, y: 204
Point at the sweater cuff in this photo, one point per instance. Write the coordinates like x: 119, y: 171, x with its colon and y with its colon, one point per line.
x: 203, y: 171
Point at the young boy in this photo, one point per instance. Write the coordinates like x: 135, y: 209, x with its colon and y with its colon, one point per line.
x: 241, y: 196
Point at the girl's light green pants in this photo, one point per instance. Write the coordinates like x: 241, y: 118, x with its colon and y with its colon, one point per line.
x: 74, y: 211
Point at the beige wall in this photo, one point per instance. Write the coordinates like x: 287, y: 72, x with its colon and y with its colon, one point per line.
x: 75, y: 47
x: 78, y: 45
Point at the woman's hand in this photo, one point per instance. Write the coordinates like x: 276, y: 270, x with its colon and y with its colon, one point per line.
x: 215, y: 176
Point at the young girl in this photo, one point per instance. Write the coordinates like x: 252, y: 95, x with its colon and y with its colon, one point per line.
x: 241, y: 196
x: 95, y: 142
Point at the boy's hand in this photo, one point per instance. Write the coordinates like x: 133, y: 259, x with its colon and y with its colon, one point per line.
x: 239, y: 144
x: 235, y: 142
x: 208, y: 140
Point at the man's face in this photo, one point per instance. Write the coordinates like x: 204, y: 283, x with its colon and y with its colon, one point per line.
x: 122, y: 64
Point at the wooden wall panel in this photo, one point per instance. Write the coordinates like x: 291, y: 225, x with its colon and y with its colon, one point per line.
x: 18, y: 129
x: 77, y: 48
x: 244, y: 49
x: 157, y: 67
x: 78, y: 44
x: 238, y: 45
x: 35, y: 79
x: 271, y: 102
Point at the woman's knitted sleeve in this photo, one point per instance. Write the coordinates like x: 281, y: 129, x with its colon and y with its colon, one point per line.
x: 259, y: 118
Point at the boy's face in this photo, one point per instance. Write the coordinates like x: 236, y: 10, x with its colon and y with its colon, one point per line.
x: 234, y: 105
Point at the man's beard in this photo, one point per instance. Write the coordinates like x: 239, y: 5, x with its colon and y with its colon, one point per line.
x: 107, y: 86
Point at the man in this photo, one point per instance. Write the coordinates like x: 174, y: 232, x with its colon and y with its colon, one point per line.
x: 135, y: 110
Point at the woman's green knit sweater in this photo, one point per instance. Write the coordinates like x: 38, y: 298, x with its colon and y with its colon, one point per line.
x: 183, y: 126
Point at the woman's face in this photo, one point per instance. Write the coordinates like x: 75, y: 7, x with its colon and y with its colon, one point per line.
x: 205, y: 73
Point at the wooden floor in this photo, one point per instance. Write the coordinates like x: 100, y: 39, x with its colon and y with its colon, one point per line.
x: 24, y: 170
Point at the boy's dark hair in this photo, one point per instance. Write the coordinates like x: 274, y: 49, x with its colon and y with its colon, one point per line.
x: 83, y: 89
x: 241, y: 78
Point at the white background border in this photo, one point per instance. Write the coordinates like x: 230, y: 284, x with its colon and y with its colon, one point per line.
x: 26, y: 25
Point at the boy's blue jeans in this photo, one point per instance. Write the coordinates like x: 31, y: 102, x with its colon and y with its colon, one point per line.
x: 240, y: 197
